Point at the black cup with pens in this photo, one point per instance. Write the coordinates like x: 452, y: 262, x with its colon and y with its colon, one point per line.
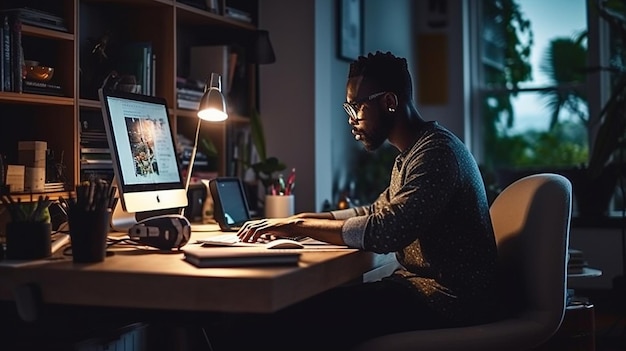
x: 89, y: 218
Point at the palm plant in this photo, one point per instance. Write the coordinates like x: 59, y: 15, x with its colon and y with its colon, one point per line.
x: 564, y: 64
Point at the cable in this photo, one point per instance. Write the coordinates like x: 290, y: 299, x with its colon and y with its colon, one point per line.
x: 206, y: 338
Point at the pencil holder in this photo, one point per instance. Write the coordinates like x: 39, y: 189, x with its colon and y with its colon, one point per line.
x: 279, y: 206
x: 28, y: 240
x: 88, y: 234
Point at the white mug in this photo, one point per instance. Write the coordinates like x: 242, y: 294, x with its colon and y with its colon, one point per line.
x: 279, y: 206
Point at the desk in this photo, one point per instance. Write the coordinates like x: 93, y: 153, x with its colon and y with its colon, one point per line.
x: 158, y: 280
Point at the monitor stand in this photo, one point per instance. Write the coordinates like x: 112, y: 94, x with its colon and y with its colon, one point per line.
x: 122, y: 221
x: 162, y: 231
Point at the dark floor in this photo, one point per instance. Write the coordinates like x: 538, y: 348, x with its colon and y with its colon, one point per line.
x: 610, y: 318
x: 608, y: 312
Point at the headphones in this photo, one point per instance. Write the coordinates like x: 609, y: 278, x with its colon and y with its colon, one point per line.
x: 163, y: 232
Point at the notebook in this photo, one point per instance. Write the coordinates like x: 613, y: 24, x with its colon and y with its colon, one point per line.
x: 238, y: 257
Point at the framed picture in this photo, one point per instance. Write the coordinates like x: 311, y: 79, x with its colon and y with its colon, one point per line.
x: 350, y: 29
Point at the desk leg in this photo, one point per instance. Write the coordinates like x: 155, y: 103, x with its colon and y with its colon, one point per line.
x: 577, y: 332
x: 28, y: 301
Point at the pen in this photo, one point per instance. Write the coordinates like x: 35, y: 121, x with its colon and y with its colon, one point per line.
x: 281, y: 184
x: 291, y: 182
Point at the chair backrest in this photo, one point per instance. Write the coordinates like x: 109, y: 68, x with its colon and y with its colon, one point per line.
x: 531, y: 220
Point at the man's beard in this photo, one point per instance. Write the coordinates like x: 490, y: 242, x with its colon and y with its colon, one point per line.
x: 373, y: 140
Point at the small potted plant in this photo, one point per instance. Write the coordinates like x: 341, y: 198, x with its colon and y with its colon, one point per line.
x: 266, y: 170
x: 28, y: 234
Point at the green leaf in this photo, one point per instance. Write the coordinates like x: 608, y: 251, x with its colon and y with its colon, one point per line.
x: 258, y: 138
x: 209, y: 147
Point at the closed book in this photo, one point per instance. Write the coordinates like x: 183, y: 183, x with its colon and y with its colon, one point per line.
x: 41, y: 88
x: 6, y: 53
x: 137, y: 62
x: 240, y: 256
x: 17, y: 56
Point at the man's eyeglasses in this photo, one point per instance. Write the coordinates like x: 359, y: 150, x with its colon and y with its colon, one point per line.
x: 352, y: 108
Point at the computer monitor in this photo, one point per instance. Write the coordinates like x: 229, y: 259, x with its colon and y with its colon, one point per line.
x: 145, y: 164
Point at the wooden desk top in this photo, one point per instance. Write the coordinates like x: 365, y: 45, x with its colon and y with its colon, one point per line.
x: 155, y: 280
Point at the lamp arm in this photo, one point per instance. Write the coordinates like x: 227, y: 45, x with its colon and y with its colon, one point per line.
x: 192, y: 160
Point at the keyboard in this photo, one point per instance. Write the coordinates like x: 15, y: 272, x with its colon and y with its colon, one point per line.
x: 230, y: 239
x: 225, y: 239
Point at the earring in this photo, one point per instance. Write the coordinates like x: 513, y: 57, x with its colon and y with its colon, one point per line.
x: 391, y: 109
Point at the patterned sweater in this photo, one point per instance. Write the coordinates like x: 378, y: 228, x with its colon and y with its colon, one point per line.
x: 435, y: 216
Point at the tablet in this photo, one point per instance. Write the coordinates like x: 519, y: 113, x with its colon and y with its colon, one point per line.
x: 231, y: 206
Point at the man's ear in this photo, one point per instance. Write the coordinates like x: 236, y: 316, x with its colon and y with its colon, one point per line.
x: 391, y: 100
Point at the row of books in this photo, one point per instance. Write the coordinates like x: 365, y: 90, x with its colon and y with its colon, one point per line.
x: 139, y: 61
x: 95, y: 154
x: 577, y: 262
x: 188, y: 93
x: 12, y: 57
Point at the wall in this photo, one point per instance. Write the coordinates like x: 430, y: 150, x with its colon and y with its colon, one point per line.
x: 287, y: 91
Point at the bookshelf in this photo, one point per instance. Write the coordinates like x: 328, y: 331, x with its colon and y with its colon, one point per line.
x: 97, y: 34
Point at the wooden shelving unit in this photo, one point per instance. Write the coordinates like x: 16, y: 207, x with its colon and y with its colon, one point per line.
x: 171, y: 27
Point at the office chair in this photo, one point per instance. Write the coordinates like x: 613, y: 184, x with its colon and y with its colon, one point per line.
x: 531, y: 219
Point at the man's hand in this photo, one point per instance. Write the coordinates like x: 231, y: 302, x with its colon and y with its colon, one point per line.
x: 252, y: 231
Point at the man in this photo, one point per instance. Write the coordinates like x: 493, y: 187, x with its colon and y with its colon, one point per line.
x: 434, y: 216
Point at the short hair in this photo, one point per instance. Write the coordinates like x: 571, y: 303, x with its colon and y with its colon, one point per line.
x: 386, y: 71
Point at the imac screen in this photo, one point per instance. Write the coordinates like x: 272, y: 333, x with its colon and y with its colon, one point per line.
x: 143, y: 151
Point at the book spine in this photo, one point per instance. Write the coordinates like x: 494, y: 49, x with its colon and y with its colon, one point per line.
x: 2, y: 55
x: 147, y: 74
x: 6, y: 53
x: 153, y: 75
x: 16, y: 53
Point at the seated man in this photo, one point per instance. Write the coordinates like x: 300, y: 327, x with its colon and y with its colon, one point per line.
x: 434, y: 216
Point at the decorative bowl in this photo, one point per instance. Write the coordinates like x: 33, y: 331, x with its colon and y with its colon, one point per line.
x: 38, y: 73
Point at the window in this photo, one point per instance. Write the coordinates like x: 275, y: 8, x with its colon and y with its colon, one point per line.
x: 532, y: 86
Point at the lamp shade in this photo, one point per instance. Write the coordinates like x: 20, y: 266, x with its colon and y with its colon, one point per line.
x: 261, y: 50
x: 213, y: 104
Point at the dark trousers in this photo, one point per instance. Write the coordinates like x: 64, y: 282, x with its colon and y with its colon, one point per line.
x: 335, y: 320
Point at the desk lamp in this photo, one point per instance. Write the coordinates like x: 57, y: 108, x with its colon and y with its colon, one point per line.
x: 212, y: 108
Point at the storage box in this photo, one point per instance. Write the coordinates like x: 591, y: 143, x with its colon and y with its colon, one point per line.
x: 34, y: 179
x: 15, y: 178
x: 32, y: 153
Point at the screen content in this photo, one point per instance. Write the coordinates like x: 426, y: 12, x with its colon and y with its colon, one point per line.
x: 233, y: 203
x: 143, y: 141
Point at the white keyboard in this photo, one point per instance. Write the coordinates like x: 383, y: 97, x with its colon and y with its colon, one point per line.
x: 231, y: 239
x: 221, y: 239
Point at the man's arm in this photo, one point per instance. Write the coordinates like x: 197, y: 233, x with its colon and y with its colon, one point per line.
x: 318, y: 215
x: 322, y: 229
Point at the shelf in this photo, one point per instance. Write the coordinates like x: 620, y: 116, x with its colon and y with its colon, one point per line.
x: 46, y: 33
x: 586, y: 272
x: 192, y: 15
x: 88, y: 103
x: 35, y: 99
